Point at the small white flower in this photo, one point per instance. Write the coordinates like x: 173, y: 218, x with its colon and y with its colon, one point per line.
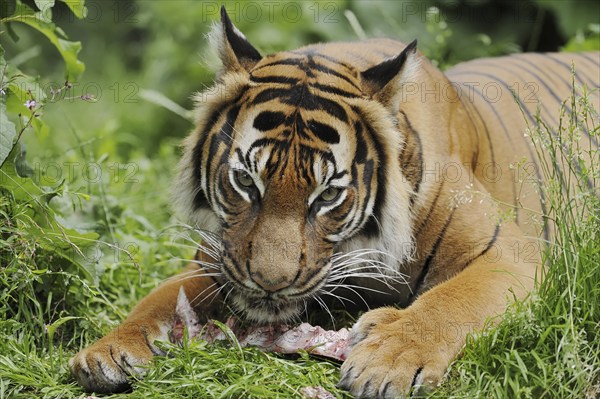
x: 30, y: 104
x: 2, y: 92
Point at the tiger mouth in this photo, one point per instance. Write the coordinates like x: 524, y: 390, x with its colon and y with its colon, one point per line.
x: 267, y: 310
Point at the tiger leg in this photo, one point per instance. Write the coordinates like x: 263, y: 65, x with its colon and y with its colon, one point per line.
x: 398, y: 350
x: 106, y: 365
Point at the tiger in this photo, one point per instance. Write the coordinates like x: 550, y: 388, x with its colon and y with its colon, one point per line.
x: 358, y: 171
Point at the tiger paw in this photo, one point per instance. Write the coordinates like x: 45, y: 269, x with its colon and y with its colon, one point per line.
x: 394, y: 355
x: 107, y: 365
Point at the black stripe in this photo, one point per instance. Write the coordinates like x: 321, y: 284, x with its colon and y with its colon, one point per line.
x: 200, y: 200
x: 468, y: 107
x: 263, y: 142
x: 334, y: 90
x: 312, y: 53
x: 300, y: 96
x: 557, y: 98
x: 242, y: 160
x: 306, y: 290
x: 548, y: 88
x: 568, y: 67
x: 309, y: 65
x: 310, y: 275
x: 330, y: 59
x: 546, y: 72
x: 324, y: 132
x: 490, y: 106
x: 326, y: 70
x: 584, y: 58
x: 287, y: 61
x: 382, y: 162
x: 427, y: 265
x: 416, y: 183
x: 371, y: 226
x: 489, y: 245
x: 472, y: 106
x: 588, y: 56
x: 274, y: 79
x: 269, y: 120
x: 556, y: 135
x: 381, y: 176
x: 224, y: 137
x: 270, y: 94
x: 414, y: 381
x: 431, y: 208
x: 236, y: 266
x: 360, y: 155
x: 527, y: 145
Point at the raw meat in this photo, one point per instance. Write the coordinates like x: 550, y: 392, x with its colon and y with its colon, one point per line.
x: 277, y: 338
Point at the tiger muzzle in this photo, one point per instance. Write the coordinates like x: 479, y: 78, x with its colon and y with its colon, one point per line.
x: 275, y: 264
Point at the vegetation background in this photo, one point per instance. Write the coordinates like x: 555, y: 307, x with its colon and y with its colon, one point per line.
x: 95, y: 97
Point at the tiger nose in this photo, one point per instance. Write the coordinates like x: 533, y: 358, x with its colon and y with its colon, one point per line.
x: 269, y: 285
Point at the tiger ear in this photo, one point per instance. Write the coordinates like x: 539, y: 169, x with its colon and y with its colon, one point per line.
x: 236, y: 53
x: 384, y: 81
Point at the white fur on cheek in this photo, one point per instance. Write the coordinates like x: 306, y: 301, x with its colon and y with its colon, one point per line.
x: 395, y: 237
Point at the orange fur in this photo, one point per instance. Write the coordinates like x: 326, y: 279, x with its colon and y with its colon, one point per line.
x: 431, y: 143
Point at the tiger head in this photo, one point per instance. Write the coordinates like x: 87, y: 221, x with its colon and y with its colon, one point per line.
x: 295, y: 158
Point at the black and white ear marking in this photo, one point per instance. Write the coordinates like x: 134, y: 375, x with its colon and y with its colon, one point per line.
x: 234, y: 49
x: 376, y: 80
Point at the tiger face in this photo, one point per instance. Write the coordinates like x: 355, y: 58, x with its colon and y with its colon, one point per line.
x: 288, y: 168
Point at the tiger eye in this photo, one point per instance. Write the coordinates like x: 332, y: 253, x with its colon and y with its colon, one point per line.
x: 244, y: 179
x: 330, y: 194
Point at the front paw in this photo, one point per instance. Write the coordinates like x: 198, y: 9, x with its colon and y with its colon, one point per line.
x: 107, y: 365
x: 396, y: 353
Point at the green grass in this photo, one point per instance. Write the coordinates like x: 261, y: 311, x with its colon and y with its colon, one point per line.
x: 53, y: 305
x: 550, y: 346
x: 76, y: 253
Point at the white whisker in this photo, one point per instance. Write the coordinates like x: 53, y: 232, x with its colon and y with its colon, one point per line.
x: 358, y: 295
x: 357, y: 287
x: 228, y: 292
x: 202, y: 292
x: 324, y: 306
x: 198, y: 276
x: 338, y: 297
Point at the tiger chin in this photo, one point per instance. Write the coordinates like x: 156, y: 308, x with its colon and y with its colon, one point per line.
x: 358, y: 172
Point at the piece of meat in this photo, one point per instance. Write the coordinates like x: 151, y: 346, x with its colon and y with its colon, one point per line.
x: 276, y: 338
x: 316, y: 392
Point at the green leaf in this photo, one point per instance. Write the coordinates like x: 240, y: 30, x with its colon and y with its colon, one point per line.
x: 7, y: 134
x: 67, y: 49
x: 20, y: 86
x: 44, y: 4
x: 7, y: 8
x: 77, y: 7
x: 53, y: 326
x: 7, y: 128
x: 22, y: 189
x: 66, y: 242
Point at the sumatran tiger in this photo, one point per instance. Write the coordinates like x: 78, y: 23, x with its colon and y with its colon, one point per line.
x: 359, y: 171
